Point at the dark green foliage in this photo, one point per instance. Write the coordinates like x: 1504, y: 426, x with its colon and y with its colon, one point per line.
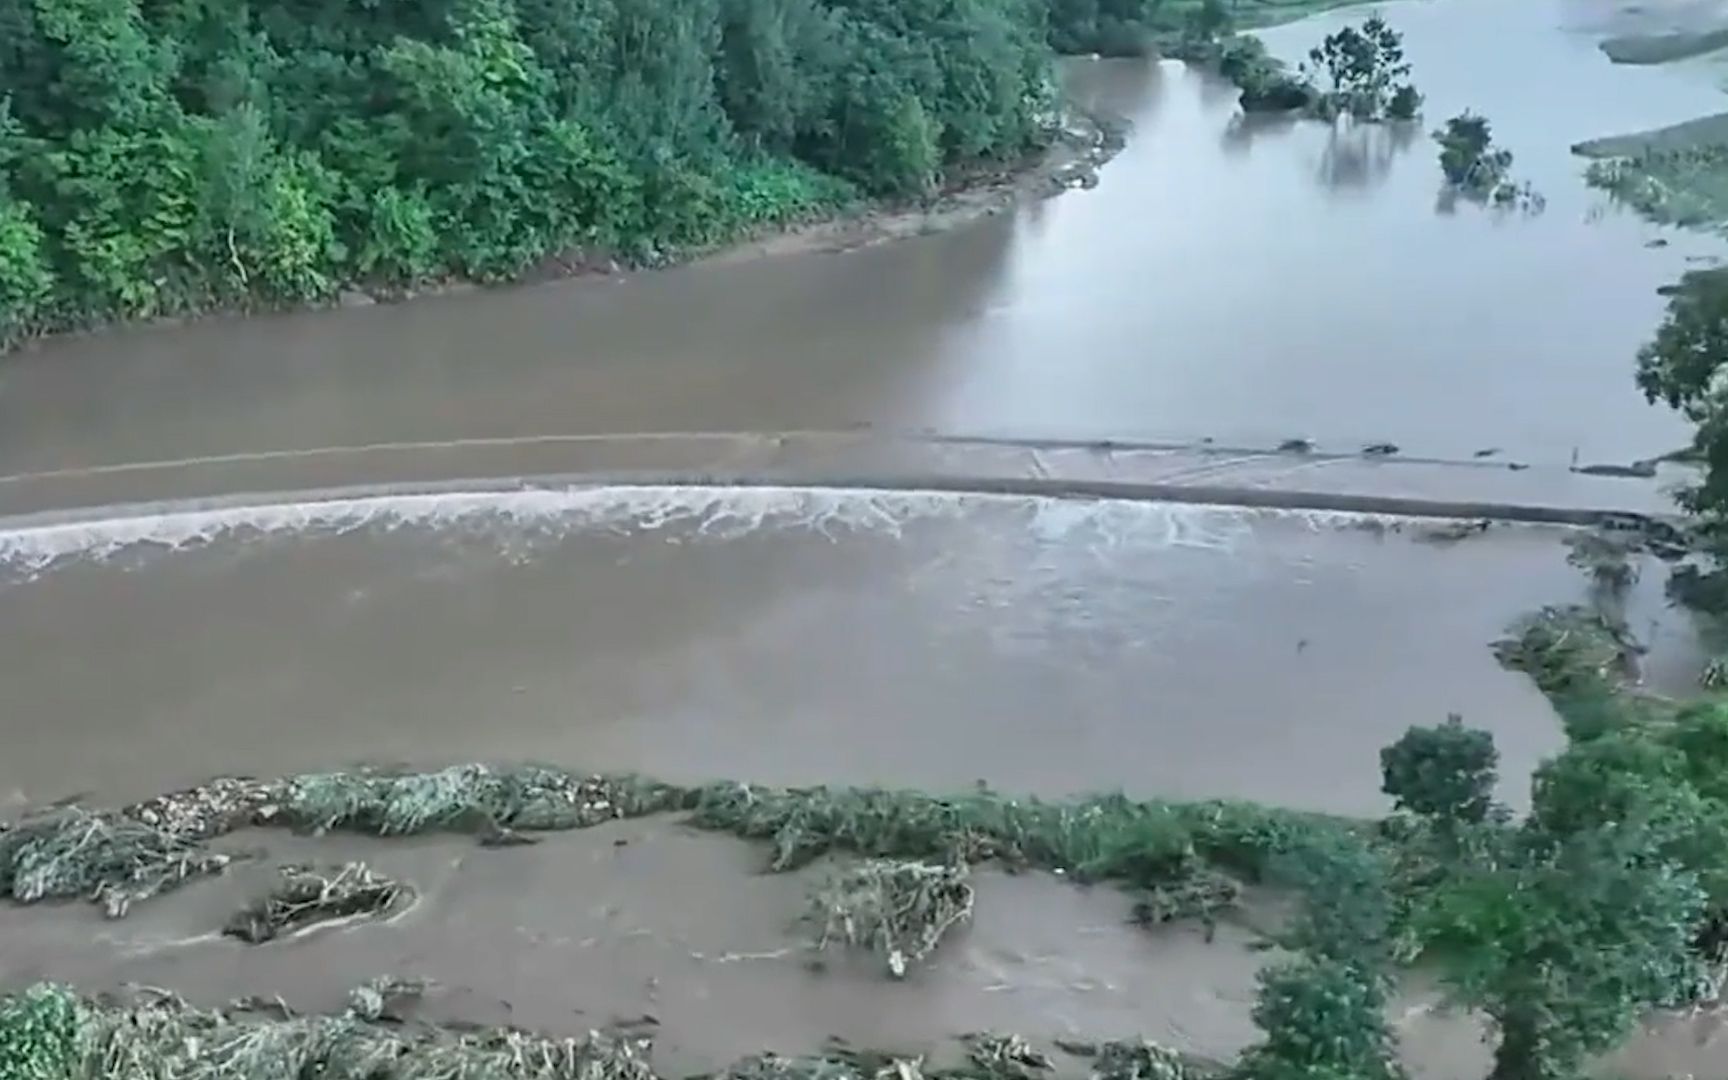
x: 170, y: 156
x: 1361, y: 71
x: 1563, y: 942
x: 1445, y: 772
x: 1266, y: 84
x: 1679, y: 367
x: 1468, y: 157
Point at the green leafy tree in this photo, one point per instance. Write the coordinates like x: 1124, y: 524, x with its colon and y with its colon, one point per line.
x: 1323, y: 1020
x: 1446, y: 772
x: 1468, y: 157
x: 179, y: 154
x: 1563, y: 942
x: 1363, y: 71
x: 25, y: 280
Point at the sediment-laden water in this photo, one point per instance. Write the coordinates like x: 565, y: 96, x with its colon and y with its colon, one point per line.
x: 776, y: 634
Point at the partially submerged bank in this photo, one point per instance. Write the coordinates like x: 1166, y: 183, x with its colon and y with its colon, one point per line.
x: 1674, y: 175
x: 1664, y: 48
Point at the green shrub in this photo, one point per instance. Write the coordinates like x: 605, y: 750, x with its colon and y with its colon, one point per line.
x: 1445, y: 772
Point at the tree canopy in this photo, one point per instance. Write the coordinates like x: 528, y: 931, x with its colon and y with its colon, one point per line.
x: 163, y: 155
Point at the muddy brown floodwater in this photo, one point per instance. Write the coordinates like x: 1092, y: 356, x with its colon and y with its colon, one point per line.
x: 1247, y: 281
x: 776, y: 634
x: 1240, y: 281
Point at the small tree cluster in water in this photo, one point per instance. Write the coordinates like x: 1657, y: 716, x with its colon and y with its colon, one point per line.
x: 1362, y: 73
x: 1477, y: 169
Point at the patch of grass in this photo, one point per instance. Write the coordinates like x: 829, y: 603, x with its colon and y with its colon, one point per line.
x: 1686, y: 187
x: 117, y: 857
x: 1101, y: 838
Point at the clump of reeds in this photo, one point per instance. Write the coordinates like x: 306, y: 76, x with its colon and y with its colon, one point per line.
x: 307, y: 895
x: 479, y: 797
x: 107, y: 857
x: 47, y: 1033
x: 895, y: 907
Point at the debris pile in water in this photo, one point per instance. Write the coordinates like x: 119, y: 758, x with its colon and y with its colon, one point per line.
x: 212, y: 809
x: 478, y: 797
x: 308, y: 895
x: 899, y: 908
x: 110, y: 858
x: 49, y: 1033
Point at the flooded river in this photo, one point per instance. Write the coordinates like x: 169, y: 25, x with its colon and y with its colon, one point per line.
x: 773, y: 634
x: 1243, y: 282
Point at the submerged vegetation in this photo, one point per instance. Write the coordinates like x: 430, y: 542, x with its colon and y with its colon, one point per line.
x: 1477, y: 169
x: 1560, y: 928
x: 1361, y: 72
x: 49, y: 1033
x: 308, y: 895
x: 899, y: 908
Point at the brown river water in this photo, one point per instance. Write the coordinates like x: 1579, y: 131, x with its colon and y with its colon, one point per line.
x: 1242, y: 282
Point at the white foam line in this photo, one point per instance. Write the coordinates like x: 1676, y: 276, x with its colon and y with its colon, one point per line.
x: 710, y: 512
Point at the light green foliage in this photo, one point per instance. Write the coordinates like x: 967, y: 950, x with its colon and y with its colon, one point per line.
x: 25, y: 280
x: 1563, y: 941
x: 1446, y: 772
x: 39, y: 1035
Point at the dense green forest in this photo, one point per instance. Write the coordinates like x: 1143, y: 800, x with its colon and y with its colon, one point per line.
x: 171, y: 155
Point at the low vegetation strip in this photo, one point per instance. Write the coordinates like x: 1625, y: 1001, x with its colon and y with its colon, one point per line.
x: 49, y: 1033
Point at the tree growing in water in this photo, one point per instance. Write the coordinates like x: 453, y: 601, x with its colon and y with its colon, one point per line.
x: 1364, y: 74
x: 1477, y: 169
x: 1563, y: 942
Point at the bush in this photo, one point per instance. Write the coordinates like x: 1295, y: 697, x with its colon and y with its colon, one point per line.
x: 1323, y: 1020
x: 1445, y: 772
